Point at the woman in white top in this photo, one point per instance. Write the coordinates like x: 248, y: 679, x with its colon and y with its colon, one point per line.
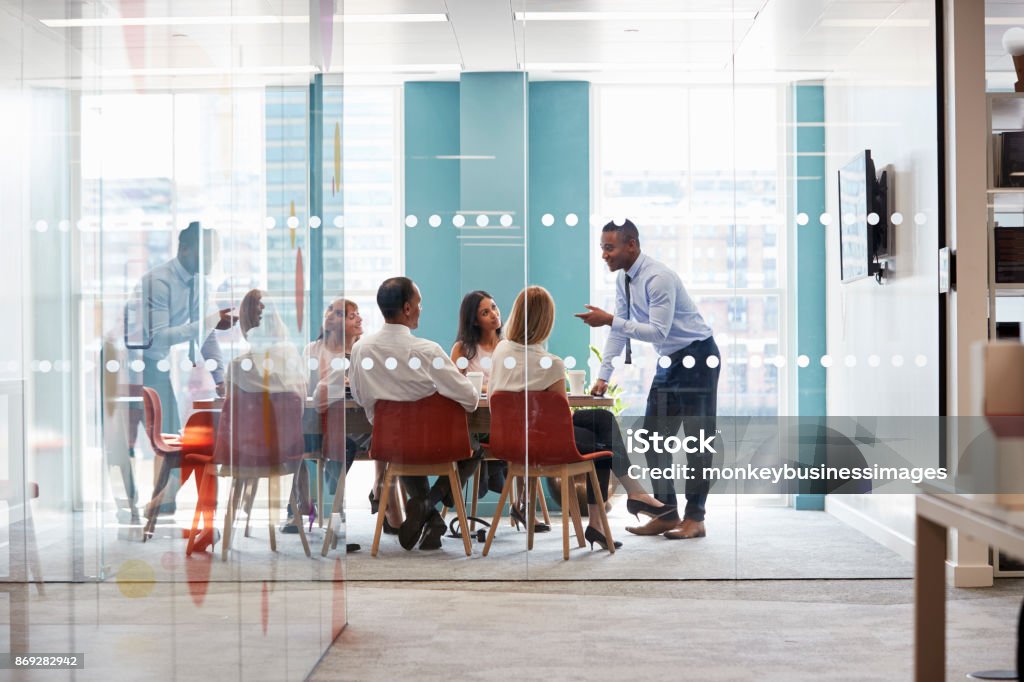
x: 342, y: 327
x: 534, y: 369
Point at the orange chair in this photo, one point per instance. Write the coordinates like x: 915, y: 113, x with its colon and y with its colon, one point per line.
x: 167, y: 447
x: 259, y: 435
x: 425, y: 437
x: 542, y: 419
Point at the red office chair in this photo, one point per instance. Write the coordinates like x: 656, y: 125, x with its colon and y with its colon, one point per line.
x: 167, y: 447
x: 258, y: 435
x: 542, y: 419
x: 421, y: 438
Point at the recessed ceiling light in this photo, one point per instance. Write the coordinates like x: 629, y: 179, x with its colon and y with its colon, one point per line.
x: 635, y: 16
x: 620, y: 66
x: 631, y: 30
x: 278, y: 70
x: 390, y: 18
x: 239, y: 20
x: 875, y: 23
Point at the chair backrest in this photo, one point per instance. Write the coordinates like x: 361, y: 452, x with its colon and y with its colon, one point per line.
x: 154, y: 420
x: 431, y: 430
x: 260, y: 430
x: 540, y: 418
x: 199, y: 437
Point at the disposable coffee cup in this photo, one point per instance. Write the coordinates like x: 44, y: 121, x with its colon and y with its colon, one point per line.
x: 478, y: 380
x: 577, y: 378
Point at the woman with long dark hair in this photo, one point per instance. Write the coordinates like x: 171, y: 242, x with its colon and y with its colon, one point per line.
x: 479, y: 332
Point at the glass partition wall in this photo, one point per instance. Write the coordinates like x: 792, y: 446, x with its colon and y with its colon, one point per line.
x: 205, y: 201
x: 171, y: 188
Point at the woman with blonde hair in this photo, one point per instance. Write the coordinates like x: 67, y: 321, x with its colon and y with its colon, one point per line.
x: 534, y: 369
x: 330, y: 353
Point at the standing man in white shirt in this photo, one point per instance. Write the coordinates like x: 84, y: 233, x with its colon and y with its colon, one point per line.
x: 395, y: 365
x: 652, y: 305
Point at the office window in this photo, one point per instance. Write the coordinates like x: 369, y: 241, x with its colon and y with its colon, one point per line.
x: 368, y: 248
x: 707, y: 193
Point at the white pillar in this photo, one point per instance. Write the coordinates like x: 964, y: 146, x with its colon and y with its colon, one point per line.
x: 966, y: 205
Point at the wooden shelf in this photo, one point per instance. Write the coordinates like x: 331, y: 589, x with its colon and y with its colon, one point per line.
x: 1009, y: 289
x: 1005, y: 204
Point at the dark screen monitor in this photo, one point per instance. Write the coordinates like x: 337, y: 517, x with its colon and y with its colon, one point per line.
x: 1008, y: 330
x: 863, y: 218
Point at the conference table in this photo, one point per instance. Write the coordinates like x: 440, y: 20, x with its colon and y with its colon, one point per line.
x: 479, y: 421
x: 356, y: 421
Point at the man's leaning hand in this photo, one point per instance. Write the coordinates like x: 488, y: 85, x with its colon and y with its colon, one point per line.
x: 596, y: 317
x: 599, y: 387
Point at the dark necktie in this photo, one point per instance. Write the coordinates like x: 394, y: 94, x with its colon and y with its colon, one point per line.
x: 192, y: 339
x: 629, y: 349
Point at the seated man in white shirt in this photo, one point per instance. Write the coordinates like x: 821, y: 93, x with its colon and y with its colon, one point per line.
x: 395, y: 365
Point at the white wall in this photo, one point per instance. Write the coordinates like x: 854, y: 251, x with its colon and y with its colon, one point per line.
x: 884, y: 99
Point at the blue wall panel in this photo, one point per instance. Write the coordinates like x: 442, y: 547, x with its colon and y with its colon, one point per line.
x: 559, y: 184
x: 431, y: 123
x: 493, y: 126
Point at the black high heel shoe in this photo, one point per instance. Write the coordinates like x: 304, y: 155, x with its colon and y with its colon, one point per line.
x: 517, y: 518
x: 374, y: 503
x: 636, y: 508
x: 594, y: 535
x: 388, y: 528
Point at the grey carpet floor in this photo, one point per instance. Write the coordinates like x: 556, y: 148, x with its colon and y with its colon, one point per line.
x: 695, y: 630
x: 742, y: 542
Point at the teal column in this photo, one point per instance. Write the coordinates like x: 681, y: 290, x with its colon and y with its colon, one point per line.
x: 492, y: 125
x: 559, y: 184
x: 809, y: 189
x: 316, y: 206
x: 432, y: 173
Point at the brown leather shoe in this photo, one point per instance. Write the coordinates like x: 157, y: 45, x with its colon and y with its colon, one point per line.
x: 655, y: 526
x: 687, y: 530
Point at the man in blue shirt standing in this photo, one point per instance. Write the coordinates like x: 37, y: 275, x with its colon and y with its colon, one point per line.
x: 652, y: 305
x: 169, y: 310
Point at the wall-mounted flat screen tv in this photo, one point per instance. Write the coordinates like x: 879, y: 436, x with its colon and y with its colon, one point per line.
x: 863, y: 218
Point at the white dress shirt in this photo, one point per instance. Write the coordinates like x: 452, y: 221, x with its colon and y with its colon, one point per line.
x: 395, y: 365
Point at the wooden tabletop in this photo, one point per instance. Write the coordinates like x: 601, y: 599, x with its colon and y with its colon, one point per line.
x: 479, y: 421
x: 350, y: 404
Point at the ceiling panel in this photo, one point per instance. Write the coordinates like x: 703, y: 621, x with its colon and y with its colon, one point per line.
x: 786, y: 35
